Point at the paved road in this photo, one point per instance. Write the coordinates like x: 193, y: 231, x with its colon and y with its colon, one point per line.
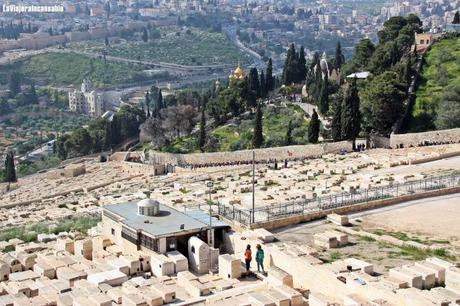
x: 256, y: 59
x: 308, y: 108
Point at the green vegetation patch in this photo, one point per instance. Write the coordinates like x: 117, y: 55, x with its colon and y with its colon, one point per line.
x: 173, y: 45
x: 58, y: 69
x: 441, y: 69
x: 29, y: 233
x: 232, y: 137
x: 414, y: 253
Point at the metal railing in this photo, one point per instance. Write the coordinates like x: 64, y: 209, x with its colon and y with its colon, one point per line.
x: 393, y: 190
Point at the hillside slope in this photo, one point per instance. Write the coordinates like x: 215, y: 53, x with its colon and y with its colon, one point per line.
x: 441, y: 70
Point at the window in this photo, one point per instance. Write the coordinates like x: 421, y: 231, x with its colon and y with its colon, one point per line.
x: 427, y: 41
x: 113, y: 232
x: 193, y: 249
x: 422, y: 41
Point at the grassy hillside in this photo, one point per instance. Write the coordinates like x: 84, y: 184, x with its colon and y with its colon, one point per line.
x: 59, y: 69
x: 173, y: 45
x: 440, y: 70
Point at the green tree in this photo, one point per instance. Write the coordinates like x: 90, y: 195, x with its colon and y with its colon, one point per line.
x: 270, y: 82
x: 362, y: 53
x: 302, y: 66
x: 456, y: 18
x: 253, y: 82
x: 80, y: 143
x: 202, y: 135
x: 289, y: 140
x: 449, y: 108
x: 313, y: 128
x: 145, y: 35
x: 336, y: 123
x: 351, y: 116
x: 258, y: 138
x: 339, y: 59
x: 263, y: 85
x: 14, y: 84
x: 156, y: 98
x: 324, y: 96
x: 382, y: 103
x: 10, y: 170
x: 290, y: 69
x: 147, y: 103
x: 59, y: 146
x: 5, y: 107
x: 31, y: 96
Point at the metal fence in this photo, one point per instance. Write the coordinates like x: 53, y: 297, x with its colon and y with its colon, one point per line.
x: 264, y: 214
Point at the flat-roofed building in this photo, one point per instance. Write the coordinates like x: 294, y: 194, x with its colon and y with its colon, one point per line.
x: 148, y: 225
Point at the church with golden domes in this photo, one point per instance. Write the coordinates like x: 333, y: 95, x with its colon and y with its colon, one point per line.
x: 238, y: 74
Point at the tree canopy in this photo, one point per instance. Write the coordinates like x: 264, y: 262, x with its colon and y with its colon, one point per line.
x: 382, y: 102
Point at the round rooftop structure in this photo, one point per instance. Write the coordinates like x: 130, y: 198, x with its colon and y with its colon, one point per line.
x: 148, y: 207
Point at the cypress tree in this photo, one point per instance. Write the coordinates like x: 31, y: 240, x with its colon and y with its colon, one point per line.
x: 258, y: 139
x: 336, y: 124
x: 253, y: 81
x: 313, y: 128
x: 147, y: 103
x: 32, y: 96
x: 202, y: 136
x: 339, y: 58
x: 290, y: 66
x: 160, y: 100
x: 108, y: 135
x: 10, y: 171
x: 270, y: 82
x: 302, y: 65
x: 289, y: 133
x: 456, y: 18
x: 145, y: 36
x: 14, y: 84
x: 263, y: 85
x: 324, y: 96
x: 351, y: 116
x: 315, y: 61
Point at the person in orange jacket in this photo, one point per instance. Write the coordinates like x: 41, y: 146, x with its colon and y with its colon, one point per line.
x: 248, y: 257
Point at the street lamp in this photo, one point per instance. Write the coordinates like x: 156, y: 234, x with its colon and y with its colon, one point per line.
x: 210, y: 184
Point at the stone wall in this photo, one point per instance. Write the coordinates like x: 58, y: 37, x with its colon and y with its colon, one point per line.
x: 279, y: 153
x: 417, y: 139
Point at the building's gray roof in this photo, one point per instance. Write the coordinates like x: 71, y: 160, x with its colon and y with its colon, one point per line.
x: 166, y: 223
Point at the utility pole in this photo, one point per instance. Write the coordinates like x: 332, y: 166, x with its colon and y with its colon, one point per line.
x: 253, y: 185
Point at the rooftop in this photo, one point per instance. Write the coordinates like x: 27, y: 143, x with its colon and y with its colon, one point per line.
x: 167, y: 222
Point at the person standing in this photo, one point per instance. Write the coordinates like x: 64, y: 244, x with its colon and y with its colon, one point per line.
x: 260, y: 258
x: 248, y: 257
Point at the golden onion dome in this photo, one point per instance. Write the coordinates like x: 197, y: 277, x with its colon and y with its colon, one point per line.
x: 238, y: 74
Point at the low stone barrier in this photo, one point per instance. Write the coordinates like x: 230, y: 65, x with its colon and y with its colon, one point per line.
x: 417, y: 139
x: 278, y: 153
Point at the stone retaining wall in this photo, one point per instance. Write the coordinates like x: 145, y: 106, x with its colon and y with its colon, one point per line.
x: 279, y: 153
x: 416, y: 139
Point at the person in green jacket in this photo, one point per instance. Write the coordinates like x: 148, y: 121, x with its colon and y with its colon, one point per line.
x: 260, y: 258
